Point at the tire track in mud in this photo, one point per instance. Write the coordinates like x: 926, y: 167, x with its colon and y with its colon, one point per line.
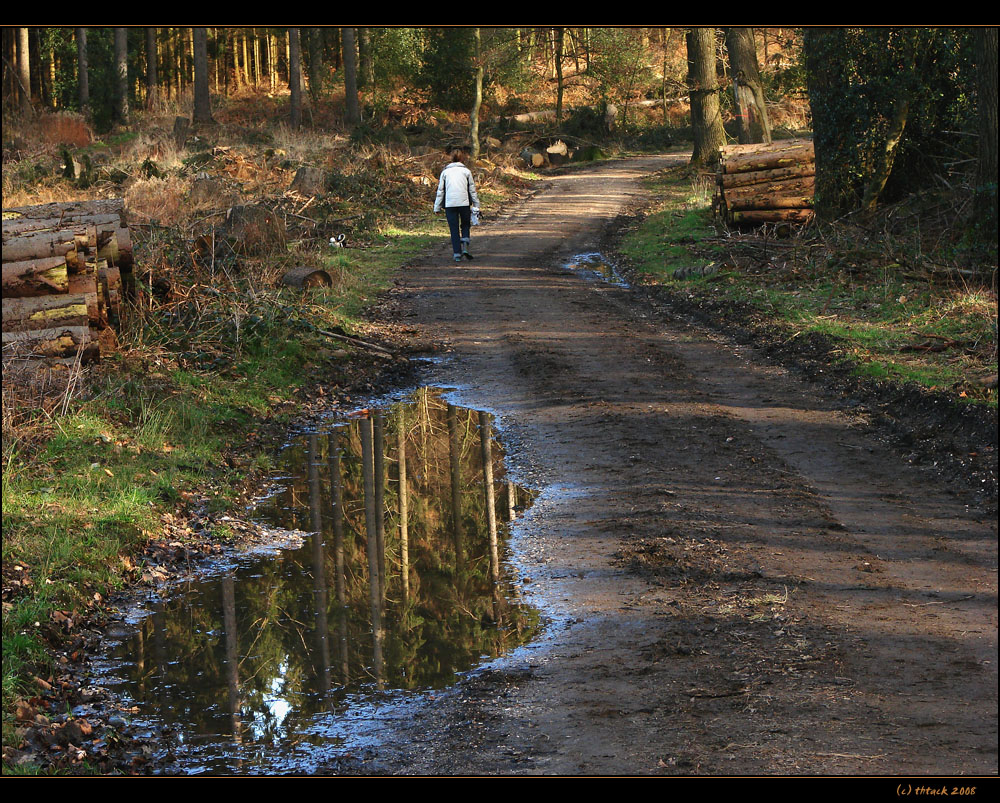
x: 738, y: 578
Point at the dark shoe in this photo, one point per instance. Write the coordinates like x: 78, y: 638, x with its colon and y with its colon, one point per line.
x: 467, y: 255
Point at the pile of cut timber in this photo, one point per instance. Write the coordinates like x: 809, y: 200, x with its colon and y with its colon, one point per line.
x: 766, y: 183
x: 62, y: 279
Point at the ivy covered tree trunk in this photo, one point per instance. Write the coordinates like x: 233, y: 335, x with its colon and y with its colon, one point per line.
x: 703, y: 86
x: 986, y: 193
x: 752, y: 118
x: 826, y: 82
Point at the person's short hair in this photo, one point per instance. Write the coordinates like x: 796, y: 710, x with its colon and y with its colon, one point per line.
x: 456, y: 154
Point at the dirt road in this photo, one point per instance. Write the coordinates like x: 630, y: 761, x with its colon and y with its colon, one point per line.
x: 738, y: 578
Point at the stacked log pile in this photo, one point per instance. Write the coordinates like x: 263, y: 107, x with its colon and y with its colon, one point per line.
x: 62, y: 279
x: 766, y: 183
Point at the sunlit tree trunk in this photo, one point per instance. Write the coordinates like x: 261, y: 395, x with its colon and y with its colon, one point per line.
x: 478, y: 97
x: 706, y: 120
x: 752, y: 117
x: 24, y: 69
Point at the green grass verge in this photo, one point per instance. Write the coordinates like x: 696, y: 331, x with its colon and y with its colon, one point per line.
x: 888, y: 323
x: 83, y: 493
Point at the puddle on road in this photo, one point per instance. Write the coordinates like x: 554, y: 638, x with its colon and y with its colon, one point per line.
x: 250, y: 671
x: 594, y: 265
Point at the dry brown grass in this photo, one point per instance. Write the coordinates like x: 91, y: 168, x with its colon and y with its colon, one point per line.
x: 159, y: 199
x: 33, y: 397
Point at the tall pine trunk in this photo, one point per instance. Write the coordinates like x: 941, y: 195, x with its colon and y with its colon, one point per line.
x: 152, y: 78
x: 352, y: 112
x: 24, y: 69
x: 295, y: 78
x: 478, y: 97
x: 202, y: 100
x: 83, y: 78
x: 121, y: 76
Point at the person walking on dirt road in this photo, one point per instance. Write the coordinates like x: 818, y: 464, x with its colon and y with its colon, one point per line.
x: 457, y: 193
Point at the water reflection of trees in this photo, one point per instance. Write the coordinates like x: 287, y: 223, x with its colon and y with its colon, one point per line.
x: 398, y: 591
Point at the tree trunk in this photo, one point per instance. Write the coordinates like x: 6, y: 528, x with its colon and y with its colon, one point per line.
x: 752, y: 118
x: 83, y: 77
x: 454, y: 450
x: 24, y: 69
x: 491, y: 510
x: 315, y: 65
x: 121, y: 76
x: 152, y: 78
x: 295, y: 78
x: 352, y: 112
x: 826, y: 80
x: 559, y: 73
x: 202, y: 100
x: 478, y: 97
x: 366, y: 65
x: 709, y: 136
x: 985, y: 213
x: 886, y: 156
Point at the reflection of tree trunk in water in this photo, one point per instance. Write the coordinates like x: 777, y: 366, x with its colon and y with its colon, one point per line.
x: 404, y: 540
x: 491, y: 509
x: 425, y: 415
x: 454, y: 453
x: 338, y: 552
x: 319, y: 567
x: 371, y: 531
x: 379, y: 448
x: 511, y: 501
x: 160, y: 655
x: 140, y: 661
x: 232, y: 651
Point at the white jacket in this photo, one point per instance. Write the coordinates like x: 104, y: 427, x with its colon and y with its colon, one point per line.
x: 456, y: 187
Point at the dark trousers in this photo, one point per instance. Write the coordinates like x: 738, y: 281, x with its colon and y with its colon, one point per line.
x: 458, y: 216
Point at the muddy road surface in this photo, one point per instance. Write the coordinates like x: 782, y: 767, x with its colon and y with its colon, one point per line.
x: 737, y: 577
